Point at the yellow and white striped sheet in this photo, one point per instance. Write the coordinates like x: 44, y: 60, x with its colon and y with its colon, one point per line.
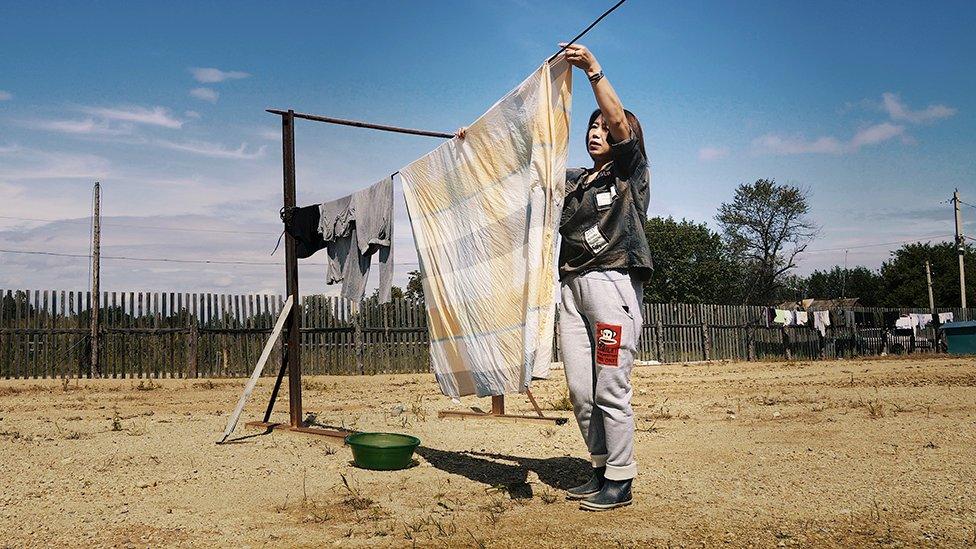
x: 485, y: 215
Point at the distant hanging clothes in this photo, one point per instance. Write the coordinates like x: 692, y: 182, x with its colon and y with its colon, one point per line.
x: 801, y: 318
x: 906, y: 322
x: 783, y: 317
x: 821, y: 319
x: 485, y: 212
x: 945, y: 317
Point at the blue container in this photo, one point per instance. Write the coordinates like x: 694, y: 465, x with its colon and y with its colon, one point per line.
x: 960, y: 337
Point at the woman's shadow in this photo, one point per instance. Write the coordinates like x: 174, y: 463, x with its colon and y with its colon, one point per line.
x: 488, y: 468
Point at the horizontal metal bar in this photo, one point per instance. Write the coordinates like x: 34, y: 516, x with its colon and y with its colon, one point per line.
x: 44, y: 331
x: 148, y: 331
x: 358, y: 124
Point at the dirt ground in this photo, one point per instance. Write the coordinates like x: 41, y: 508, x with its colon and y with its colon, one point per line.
x: 845, y: 453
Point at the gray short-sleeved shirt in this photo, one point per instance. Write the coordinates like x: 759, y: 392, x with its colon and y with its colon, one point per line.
x: 602, y: 225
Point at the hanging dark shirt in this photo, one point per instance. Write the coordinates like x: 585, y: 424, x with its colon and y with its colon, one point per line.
x: 602, y: 224
x: 303, y: 224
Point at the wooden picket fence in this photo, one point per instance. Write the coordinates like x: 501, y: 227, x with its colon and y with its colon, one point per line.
x: 46, y: 334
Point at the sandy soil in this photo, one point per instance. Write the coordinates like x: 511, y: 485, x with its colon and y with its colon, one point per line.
x: 846, y: 453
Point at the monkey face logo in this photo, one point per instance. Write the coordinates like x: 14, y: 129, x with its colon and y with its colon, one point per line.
x: 607, y: 344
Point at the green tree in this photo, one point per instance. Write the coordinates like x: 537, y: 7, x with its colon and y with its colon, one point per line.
x: 859, y: 282
x: 396, y: 292
x: 766, y: 226
x: 415, y: 287
x: 691, y: 264
x: 792, y: 288
x: 903, y: 276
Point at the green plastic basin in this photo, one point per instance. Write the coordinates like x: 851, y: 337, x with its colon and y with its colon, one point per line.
x: 382, y: 451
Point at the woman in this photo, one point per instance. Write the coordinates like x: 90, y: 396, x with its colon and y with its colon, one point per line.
x: 604, y: 260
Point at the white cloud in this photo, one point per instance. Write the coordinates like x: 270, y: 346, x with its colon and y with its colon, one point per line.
x: 210, y: 75
x: 875, y: 134
x: 22, y: 164
x: 775, y: 144
x: 270, y: 135
x: 88, y: 126
x: 213, y: 150
x: 191, y: 114
x: 779, y: 145
x: 712, y: 153
x: 5, y: 95
x: 898, y: 110
x: 156, y: 116
x: 206, y: 94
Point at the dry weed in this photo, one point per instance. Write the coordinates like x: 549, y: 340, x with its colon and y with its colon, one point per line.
x: 548, y: 497
x: 563, y: 404
x: 147, y: 385
x: 355, y: 500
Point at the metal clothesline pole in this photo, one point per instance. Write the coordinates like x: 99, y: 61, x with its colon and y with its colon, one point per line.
x: 360, y: 124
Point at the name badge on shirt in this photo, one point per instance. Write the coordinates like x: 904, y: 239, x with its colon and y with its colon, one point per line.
x: 604, y: 199
x: 595, y: 240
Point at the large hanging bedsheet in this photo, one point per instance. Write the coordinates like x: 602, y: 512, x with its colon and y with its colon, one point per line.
x: 485, y: 215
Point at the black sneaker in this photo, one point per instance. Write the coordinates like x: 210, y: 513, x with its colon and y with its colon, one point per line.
x: 591, y: 487
x: 615, y: 493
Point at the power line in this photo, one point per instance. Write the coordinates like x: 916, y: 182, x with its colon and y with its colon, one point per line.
x: 967, y: 203
x: 172, y: 260
x: 131, y: 226
x: 879, y: 244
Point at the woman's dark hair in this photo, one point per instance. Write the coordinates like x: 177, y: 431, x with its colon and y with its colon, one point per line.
x: 634, y: 126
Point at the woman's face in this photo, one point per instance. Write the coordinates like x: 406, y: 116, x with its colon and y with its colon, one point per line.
x: 596, y: 139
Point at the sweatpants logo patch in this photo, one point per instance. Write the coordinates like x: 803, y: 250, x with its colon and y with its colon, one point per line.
x: 607, y: 344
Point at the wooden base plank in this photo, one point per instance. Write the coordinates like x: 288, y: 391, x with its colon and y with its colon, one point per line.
x: 509, y: 417
x: 305, y: 430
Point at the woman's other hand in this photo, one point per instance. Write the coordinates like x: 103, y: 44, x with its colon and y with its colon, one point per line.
x: 579, y: 56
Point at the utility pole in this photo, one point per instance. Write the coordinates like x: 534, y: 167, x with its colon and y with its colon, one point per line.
x: 928, y: 279
x: 961, y: 247
x: 95, y: 367
x: 843, y: 284
x: 935, y: 314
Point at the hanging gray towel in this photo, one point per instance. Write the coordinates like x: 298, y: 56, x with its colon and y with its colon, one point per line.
x: 356, y: 227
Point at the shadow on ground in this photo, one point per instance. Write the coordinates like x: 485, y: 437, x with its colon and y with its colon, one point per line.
x: 509, y: 472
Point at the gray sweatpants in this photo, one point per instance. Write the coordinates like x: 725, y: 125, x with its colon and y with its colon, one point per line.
x: 599, y: 326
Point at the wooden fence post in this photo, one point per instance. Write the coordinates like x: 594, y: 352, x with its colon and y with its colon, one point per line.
x: 191, y: 351
x: 658, y: 336
x: 750, y: 343
x: 786, y: 344
x: 706, y: 341
x: 357, y: 335
x: 823, y: 343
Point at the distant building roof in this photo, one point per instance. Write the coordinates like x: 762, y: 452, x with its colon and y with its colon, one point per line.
x: 819, y: 304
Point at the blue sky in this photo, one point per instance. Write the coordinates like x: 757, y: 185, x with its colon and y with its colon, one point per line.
x: 870, y: 105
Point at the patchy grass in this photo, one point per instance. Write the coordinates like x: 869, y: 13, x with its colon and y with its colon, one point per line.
x: 147, y: 385
x: 355, y: 500
x: 563, y: 404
